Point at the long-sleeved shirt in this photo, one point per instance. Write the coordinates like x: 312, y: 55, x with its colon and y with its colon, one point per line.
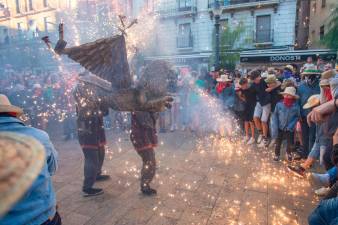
x: 38, y: 204
x: 286, y: 117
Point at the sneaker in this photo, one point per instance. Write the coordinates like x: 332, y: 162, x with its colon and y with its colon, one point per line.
x: 148, y: 191
x: 319, y: 180
x: 251, y: 141
x: 296, y: 156
x: 102, y: 177
x: 322, y: 191
x: 272, y: 143
x: 246, y: 139
x: 297, y: 170
x: 289, y: 157
x: 264, y: 143
x: 276, y: 158
x: 259, y: 139
x: 92, y: 192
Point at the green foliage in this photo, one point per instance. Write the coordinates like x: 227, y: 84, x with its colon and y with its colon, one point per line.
x: 330, y: 38
x: 230, y: 42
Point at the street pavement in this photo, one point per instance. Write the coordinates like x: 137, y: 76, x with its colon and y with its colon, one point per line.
x: 200, y: 180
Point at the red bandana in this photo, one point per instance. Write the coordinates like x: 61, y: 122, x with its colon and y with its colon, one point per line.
x: 327, y: 94
x: 220, y: 87
x: 288, y: 102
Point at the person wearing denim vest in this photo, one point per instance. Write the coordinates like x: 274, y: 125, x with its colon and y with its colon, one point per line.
x: 285, y: 117
x: 38, y: 205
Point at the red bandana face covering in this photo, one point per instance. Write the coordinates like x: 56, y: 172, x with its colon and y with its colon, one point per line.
x: 327, y: 93
x: 288, y: 102
x: 221, y: 86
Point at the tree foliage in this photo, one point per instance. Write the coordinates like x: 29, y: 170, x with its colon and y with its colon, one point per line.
x: 231, y: 40
x: 330, y: 38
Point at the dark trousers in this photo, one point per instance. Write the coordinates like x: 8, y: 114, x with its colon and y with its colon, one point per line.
x: 284, y: 135
x: 308, y: 136
x: 149, y: 167
x: 55, y: 221
x: 92, y: 165
x: 69, y: 126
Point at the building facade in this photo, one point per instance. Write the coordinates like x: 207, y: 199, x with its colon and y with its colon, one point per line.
x: 24, y: 22
x: 185, y: 31
x: 320, y: 11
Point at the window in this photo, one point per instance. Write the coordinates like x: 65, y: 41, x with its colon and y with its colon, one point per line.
x: 321, y: 32
x: 45, y: 3
x: 184, y: 37
x: 323, y: 3
x: 263, y: 29
x: 225, y: 2
x: 184, y: 4
x: 17, y: 5
x: 30, y: 5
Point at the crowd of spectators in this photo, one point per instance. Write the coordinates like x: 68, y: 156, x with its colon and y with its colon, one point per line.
x: 275, y: 105
x: 44, y: 95
x: 293, y: 104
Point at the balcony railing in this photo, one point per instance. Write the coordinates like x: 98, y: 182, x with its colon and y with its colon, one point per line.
x: 177, y: 11
x: 263, y: 37
x: 184, y: 41
x: 239, y: 3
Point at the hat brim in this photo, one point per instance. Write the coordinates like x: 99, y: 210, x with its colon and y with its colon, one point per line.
x: 284, y: 93
x: 325, y: 82
x: 311, y: 105
x: 16, y: 180
x: 11, y: 109
x: 270, y: 82
x: 311, y: 73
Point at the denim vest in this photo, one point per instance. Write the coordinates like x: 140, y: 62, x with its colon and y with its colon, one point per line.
x: 38, y: 203
x: 286, y: 118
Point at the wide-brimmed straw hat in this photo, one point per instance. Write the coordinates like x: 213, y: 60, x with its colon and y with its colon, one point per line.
x: 311, y: 70
x: 328, y: 74
x: 313, y: 101
x: 264, y: 75
x: 290, y: 67
x: 326, y: 77
x: 224, y: 78
x: 290, y: 91
x: 271, y: 79
x: 7, y: 107
x: 21, y: 160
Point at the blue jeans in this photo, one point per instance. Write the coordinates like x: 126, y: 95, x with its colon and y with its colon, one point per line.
x: 325, y: 213
x: 333, y: 174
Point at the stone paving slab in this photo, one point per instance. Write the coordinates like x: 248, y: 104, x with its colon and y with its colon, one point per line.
x: 207, y: 181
